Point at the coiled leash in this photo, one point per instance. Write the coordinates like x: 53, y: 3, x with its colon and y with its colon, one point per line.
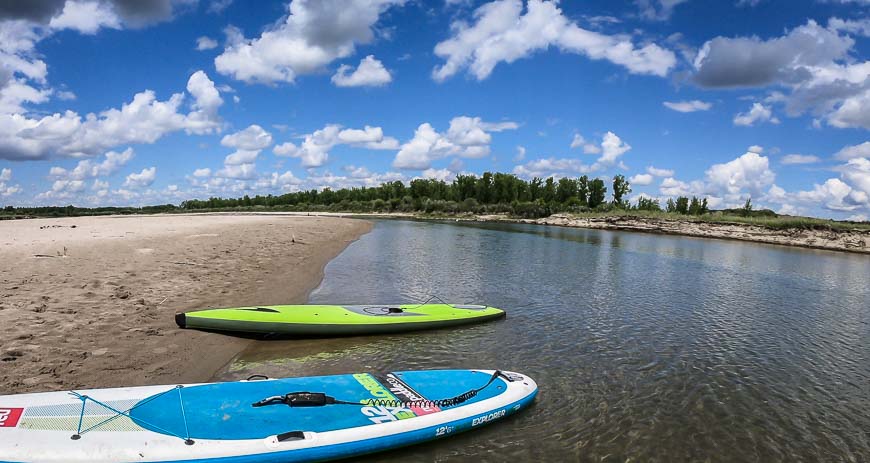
x: 319, y: 399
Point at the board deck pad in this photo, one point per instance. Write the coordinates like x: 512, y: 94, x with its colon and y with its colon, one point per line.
x: 218, y: 422
x: 332, y: 320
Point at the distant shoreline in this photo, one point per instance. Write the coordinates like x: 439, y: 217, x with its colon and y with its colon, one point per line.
x: 833, y: 239
x: 857, y: 241
x: 801, y: 232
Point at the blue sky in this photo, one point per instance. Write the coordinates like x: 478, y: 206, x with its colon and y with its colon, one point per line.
x: 113, y: 102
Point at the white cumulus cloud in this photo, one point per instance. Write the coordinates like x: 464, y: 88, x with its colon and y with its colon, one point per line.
x: 612, y: 147
x: 141, y: 179
x: 237, y: 171
x: 205, y: 43
x: 315, y: 147
x: 86, y: 169
x: 672, y: 187
x: 815, y: 65
x: 552, y: 167
x: 439, y: 174
x: 853, y: 112
x: 241, y: 157
x: 145, y: 119
x: 611, y: 150
x: 656, y: 172
x: 467, y: 137
x: 252, y: 138
x: 756, y: 114
x: 789, y: 159
x: 369, y: 73
x: 588, y: 148
x: 285, y: 181
x: 688, y: 106
x: 87, y: 17
x: 833, y: 194
x: 748, y: 173
x: 312, y: 35
x: 7, y: 190
x: 854, y: 151
x: 503, y: 32
x: 641, y: 179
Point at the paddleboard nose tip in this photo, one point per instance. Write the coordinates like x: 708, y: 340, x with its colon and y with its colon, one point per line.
x: 181, y: 320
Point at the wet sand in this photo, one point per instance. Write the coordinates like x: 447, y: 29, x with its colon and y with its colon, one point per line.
x: 90, y: 301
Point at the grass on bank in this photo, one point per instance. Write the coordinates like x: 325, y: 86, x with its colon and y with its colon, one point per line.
x: 778, y: 222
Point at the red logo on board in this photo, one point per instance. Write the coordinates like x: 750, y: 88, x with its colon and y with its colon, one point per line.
x: 9, y: 417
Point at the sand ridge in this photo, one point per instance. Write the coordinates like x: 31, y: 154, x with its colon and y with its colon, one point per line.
x: 90, y: 301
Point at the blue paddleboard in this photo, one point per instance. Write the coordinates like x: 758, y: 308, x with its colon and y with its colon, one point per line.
x: 273, y: 420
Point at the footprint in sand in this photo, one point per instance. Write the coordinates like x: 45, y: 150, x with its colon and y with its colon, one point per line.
x: 121, y: 293
x: 12, y: 355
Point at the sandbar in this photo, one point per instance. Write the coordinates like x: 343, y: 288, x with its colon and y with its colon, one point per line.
x: 89, y: 302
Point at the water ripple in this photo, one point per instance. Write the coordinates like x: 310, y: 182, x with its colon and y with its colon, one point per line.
x: 645, y: 347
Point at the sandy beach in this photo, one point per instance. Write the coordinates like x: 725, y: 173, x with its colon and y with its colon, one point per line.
x: 89, y: 301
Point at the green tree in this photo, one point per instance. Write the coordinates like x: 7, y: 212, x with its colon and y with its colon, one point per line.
x: 682, y: 205
x: 484, y: 188
x: 327, y: 197
x: 747, y: 208
x: 522, y: 188
x: 671, y: 205
x: 597, y: 193
x: 504, y: 188
x: 464, y: 187
x: 549, y: 190
x: 583, y: 190
x: 420, y: 188
x: 621, y: 188
x: 566, y: 189
x: 536, y: 189
x: 695, y: 206
x: 648, y: 204
x: 704, y: 208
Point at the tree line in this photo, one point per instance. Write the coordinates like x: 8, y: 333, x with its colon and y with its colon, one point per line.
x: 73, y: 211
x: 487, y: 193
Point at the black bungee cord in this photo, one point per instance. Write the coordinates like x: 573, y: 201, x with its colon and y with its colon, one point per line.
x: 319, y: 399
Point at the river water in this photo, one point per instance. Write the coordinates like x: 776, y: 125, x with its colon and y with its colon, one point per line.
x: 645, y: 347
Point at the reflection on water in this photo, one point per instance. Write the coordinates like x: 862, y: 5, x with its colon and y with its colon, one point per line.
x: 645, y: 347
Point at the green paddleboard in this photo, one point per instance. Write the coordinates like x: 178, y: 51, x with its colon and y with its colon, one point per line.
x: 336, y: 320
